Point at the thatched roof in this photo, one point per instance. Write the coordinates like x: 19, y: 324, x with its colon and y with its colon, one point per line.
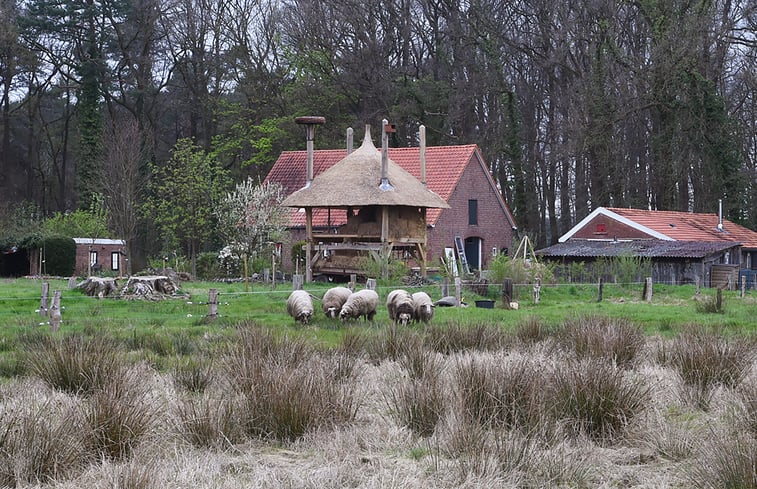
x: 356, y: 182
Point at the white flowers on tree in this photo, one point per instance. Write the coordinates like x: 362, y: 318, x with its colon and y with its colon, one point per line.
x: 251, y: 220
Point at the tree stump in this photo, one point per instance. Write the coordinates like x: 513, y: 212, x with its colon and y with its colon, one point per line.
x: 99, y: 286
x: 149, y: 287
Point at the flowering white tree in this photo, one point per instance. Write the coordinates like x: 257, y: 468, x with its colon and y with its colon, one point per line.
x: 251, y: 218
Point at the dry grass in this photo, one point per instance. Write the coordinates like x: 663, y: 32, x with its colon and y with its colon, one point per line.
x: 280, y: 412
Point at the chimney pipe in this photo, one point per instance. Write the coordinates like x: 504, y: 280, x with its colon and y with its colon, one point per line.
x: 349, y: 141
x: 720, y: 214
x: 310, y: 122
x: 423, y: 154
x: 385, y: 185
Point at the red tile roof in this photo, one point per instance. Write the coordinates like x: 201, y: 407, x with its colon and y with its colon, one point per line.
x: 687, y: 226
x: 444, y: 167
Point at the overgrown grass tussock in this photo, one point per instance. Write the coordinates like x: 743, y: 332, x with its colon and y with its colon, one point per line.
x: 208, y: 421
x: 617, y: 340
x: 454, y: 337
x: 725, y: 462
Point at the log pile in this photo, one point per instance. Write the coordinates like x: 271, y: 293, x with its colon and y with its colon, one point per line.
x: 151, y: 287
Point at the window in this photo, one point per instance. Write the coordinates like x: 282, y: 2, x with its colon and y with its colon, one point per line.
x: 601, y: 228
x: 92, y: 258
x: 473, y: 212
x: 114, y: 256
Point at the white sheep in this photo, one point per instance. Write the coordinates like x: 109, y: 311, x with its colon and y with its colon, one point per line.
x: 399, y: 304
x: 333, y: 300
x: 300, y: 306
x: 423, y: 308
x: 362, y: 303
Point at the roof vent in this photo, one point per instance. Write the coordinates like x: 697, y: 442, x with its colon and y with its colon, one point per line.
x: 309, y: 122
x: 720, y: 214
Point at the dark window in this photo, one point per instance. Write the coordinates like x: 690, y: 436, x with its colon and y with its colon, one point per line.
x: 472, y: 212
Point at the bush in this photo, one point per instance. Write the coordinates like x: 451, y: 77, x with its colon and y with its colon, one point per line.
x: 519, y: 270
x: 208, y: 267
x: 59, y: 255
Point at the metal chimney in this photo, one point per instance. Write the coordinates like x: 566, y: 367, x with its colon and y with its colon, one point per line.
x: 422, y: 130
x: 349, y: 140
x: 385, y: 129
x: 720, y: 214
x: 310, y: 121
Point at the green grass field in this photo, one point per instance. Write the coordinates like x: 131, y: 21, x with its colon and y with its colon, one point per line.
x: 670, y: 308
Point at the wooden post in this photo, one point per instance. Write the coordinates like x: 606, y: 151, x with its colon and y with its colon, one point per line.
x: 43, y: 300
x: 370, y: 284
x: 308, y: 244
x: 537, y: 289
x: 458, y: 291
x: 719, y: 299
x: 297, y: 281
x: 213, y: 303
x: 445, y: 287
x: 246, y: 273
x: 353, y: 281
x: 600, y: 287
x: 507, y: 293
x: 55, y: 318
x: 648, y: 289
x: 266, y: 275
x: 743, y: 286
x: 698, y: 285
x: 71, y: 282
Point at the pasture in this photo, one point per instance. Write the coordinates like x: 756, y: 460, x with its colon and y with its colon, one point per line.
x: 569, y: 392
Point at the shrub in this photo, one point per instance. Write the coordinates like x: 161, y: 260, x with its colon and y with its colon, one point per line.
x: 705, y: 358
x: 614, y: 339
x: 520, y: 271
x: 60, y: 255
x: 75, y: 364
x: 208, y: 267
x: 595, y: 398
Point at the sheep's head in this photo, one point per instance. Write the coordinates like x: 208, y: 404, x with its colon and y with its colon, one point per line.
x: 345, y: 313
x: 305, y: 316
x: 332, y: 313
x: 404, y: 318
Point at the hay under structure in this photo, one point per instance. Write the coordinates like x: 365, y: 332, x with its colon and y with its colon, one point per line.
x: 385, y: 205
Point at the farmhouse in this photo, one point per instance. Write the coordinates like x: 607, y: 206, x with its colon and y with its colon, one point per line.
x: 682, y: 247
x: 469, y: 214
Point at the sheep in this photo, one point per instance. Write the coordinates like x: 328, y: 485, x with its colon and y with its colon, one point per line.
x: 423, y: 308
x: 362, y: 303
x: 333, y: 300
x: 300, y: 306
x: 399, y: 303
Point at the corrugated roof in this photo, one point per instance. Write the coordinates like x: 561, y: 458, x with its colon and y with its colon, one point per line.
x: 688, y: 226
x: 647, y: 248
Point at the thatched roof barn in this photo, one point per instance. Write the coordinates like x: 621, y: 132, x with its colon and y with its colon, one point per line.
x: 386, y: 208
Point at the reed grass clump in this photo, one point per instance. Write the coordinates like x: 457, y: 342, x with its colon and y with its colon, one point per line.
x: 614, y: 339
x: 726, y: 462
x: 455, y: 337
x: 193, y: 374
x: 208, y: 422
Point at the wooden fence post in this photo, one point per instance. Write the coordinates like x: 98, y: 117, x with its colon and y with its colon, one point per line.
x: 370, y: 284
x: 648, y: 289
x: 458, y: 291
x: 266, y: 275
x: 55, y: 318
x: 507, y: 293
x: 698, y: 285
x: 213, y: 303
x: 353, y: 281
x: 719, y: 299
x: 537, y: 289
x: 600, y: 286
x: 71, y: 282
x: 743, y: 286
x: 445, y: 287
x: 43, y: 300
x: 297, y: 281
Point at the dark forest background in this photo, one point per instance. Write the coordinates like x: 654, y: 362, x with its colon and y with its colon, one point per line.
x: 575, y: 104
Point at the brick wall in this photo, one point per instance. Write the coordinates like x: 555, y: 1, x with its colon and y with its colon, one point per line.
x: 602, y: 227
x: 103, y: 258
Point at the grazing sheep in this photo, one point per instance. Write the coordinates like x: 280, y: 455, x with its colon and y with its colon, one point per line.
x: 362, y: 303
x: 300, y: 306
x: 423, y: 308
x: 333, y: 300
x: 399, y: 303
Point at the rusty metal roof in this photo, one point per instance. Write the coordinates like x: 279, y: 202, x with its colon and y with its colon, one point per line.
x: 647, y: 248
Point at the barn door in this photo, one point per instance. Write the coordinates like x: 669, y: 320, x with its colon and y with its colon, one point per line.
x: 473, y: 252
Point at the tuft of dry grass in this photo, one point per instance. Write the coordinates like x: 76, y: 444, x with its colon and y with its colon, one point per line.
x: 193, y: 374
x: 75, y: 364
x: 705, y: 358
x: 595, y: 398
x: 614, y: 339
x: 532, y: 330
x: 207, y: 422
x: 456, y: 337
x: 725, y: 462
